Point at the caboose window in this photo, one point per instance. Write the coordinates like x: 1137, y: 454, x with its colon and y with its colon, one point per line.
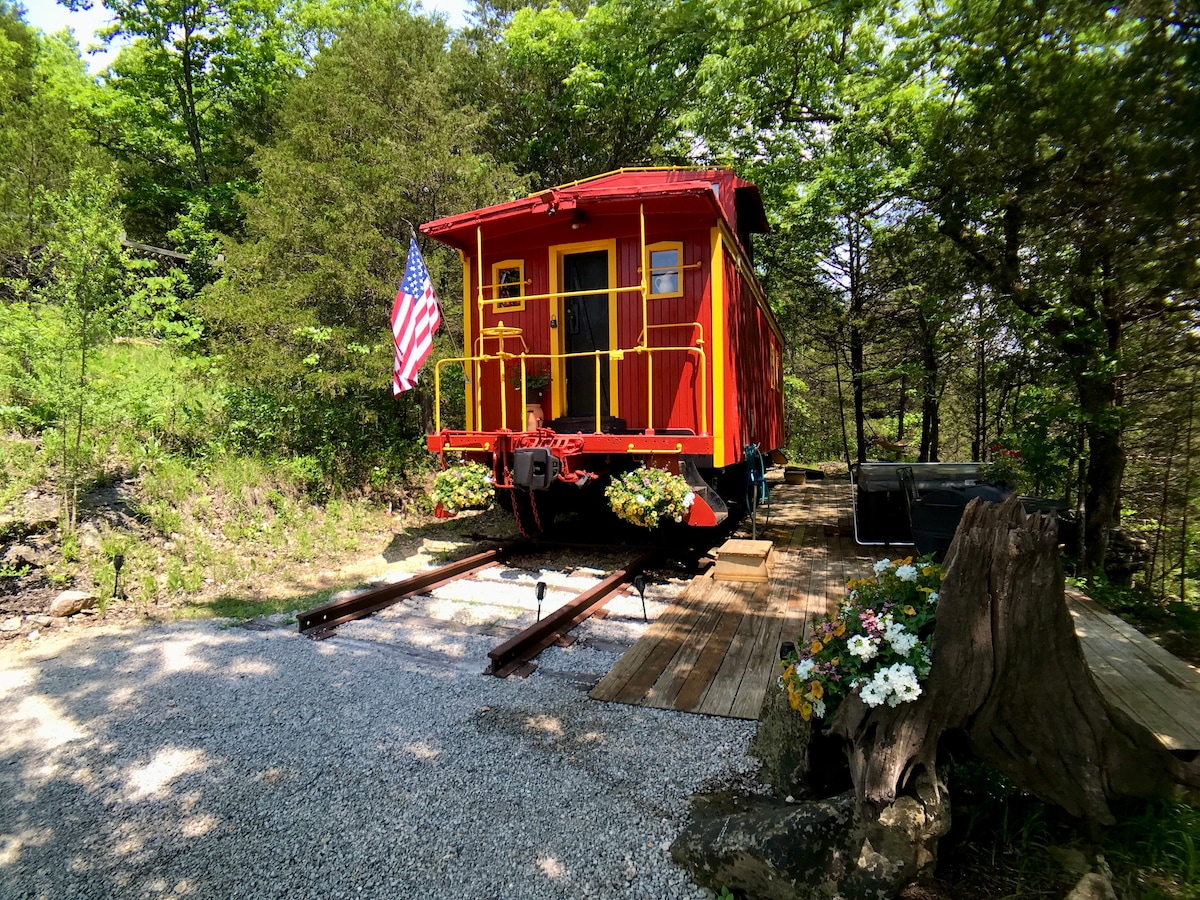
x: 666, y: 269
x: 508, y: 284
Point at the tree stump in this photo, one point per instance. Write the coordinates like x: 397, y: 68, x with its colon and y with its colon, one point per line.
x: 1009, y: 672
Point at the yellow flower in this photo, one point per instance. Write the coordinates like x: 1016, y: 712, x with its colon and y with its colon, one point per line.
x: 840, y: 630
x: 816, y: 647
x: 806, y: 711
x: 826, y: 638
x: 907, y: 561
x: 816, y: 691
x: 794, y: 699
x: 928, y: 570
x: 910, y: 611
x: 837, y: 660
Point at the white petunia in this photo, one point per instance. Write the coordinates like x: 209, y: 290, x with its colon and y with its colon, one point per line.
x: 688, y: 499
x: 818, y: 708
x: 933, y: 597
x: 863, y: 647
x: 804, y: 668
x: 882, y: 566
x: 900, y: 638
x: 907, y: 573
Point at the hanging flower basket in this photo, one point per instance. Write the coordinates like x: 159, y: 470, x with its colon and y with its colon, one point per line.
x: 877, y: 644
x: 649, y: 496
x: 463, y: 487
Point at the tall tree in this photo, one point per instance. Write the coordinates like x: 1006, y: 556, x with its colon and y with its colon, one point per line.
x: 1057, y: 157
x: 370, y: 145
x: 196, y: 87
x: 44, y: 90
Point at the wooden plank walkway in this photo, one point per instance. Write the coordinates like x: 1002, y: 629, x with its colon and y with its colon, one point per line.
x: 1153, y: 687
x: 716, y: 649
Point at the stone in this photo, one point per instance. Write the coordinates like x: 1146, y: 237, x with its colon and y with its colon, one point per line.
x: 781, y: 744
x: 1072, y: 860
x: 12, y: 625
x: 795, y: 758
x: 18, y: 555
x: 815, y: 850
x: 68, y: 603
x: 1093, y: 886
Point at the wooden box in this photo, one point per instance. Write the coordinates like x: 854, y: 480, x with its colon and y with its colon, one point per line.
x: 741, y: 560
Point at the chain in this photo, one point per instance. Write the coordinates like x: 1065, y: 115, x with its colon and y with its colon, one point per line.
x: 537, y: 519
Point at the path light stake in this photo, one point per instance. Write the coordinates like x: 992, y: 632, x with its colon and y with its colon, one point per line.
x: 639, y: 584
x: 541, y: 593
x: 118, y: 561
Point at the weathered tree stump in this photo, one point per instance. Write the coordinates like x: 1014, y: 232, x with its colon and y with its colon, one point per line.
x: 1009, y: 672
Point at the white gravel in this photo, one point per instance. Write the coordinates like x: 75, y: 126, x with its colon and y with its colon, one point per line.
x: 212, y: 761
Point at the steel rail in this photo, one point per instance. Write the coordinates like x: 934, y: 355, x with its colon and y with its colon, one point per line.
x: 320, y: 621
x: 514, y: 653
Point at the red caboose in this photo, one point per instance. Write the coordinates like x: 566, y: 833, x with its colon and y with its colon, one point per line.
x: 610, y: 322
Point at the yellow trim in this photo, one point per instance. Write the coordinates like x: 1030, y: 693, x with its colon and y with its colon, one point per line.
x: 677, y: 246
x: 747, y: 272
x: 717, y: 300
x: 510, y: 304
x: 471, y: 372
x: 557, y: 310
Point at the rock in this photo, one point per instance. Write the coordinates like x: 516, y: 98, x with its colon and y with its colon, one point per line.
x: 1093, y: 886
x: 795, y: 758
x: 18, y: 555
x: 781, y: 744
x: 814, y: 850
x: 12, y: 625
x: 1073, y: 860
x: 68, y: 603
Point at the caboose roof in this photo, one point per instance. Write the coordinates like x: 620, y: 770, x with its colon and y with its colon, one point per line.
x: 709, y: 191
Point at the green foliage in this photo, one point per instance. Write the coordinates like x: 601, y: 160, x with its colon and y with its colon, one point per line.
x: 44, y: 94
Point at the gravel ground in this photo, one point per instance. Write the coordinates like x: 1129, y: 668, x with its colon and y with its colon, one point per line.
x: 204, y: 760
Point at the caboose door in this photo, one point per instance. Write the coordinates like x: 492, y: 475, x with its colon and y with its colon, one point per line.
x: 586, y: 330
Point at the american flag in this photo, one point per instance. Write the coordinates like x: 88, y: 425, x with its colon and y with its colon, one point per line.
x: 415, y: 318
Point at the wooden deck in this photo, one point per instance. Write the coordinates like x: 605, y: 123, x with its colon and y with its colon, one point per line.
x: 716, y: 649
x: 1153, y: 687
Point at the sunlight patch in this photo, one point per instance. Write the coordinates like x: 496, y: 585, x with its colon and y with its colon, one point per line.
x: 151, y: 780
x: 37, y: 722
x: 423, y: 751
x: 12, y: 844
x: 551, y: 867
x: 545, y: 723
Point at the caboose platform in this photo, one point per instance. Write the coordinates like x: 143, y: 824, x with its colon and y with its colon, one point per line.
x: 716, y: 649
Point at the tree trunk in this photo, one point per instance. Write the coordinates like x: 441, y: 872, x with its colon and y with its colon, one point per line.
x: 1008, y: 671
x: 1105, y: 466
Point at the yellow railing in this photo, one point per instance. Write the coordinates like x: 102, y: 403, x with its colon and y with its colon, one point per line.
x: 502, y: 334
x: 520, y: 360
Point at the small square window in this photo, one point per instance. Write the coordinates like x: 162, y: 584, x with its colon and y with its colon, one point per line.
x: 508, y: 285
x: 666, y: 269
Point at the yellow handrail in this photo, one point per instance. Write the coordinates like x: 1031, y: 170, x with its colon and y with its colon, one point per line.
x: 522, y: 359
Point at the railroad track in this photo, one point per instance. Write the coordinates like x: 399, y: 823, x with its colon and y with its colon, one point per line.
x: 514, y: 654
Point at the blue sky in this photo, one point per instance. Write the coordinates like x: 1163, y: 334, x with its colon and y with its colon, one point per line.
x: 50, y: 17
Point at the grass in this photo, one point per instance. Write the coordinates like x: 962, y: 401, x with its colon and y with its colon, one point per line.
x: 227, y: 606
x: 1004, y: 841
